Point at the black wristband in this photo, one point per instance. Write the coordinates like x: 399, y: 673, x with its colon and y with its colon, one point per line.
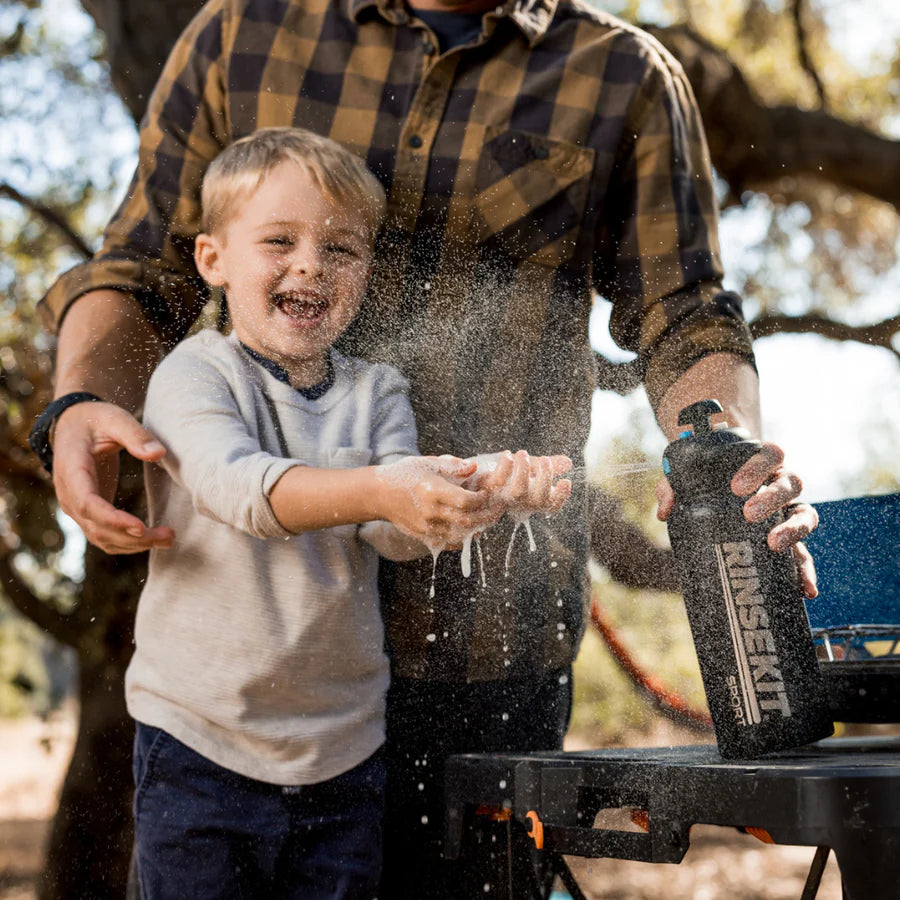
x: 39, y: 438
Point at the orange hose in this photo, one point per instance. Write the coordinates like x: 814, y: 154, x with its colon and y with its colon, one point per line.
x: 665, y: 700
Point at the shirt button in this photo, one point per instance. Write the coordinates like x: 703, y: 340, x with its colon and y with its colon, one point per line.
x: 415, y: 142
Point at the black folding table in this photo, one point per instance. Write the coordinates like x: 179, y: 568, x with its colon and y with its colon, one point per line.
x: 842, y: 794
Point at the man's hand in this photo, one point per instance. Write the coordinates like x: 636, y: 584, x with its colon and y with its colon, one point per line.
x: 770, y: 487
x: 86, y: 445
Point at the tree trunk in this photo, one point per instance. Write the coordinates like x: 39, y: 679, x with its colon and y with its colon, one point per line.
x: 89, y: 846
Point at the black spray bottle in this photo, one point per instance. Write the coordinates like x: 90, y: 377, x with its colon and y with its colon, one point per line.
x: 744, y: 603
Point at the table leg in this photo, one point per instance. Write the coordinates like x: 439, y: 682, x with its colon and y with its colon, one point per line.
x: 870, y: 863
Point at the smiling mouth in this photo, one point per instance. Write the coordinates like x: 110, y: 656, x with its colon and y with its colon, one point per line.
x: 303, y: 307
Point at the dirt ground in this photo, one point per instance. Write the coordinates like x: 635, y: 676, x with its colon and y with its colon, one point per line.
x: 722, y: 863
x: 34, y: 754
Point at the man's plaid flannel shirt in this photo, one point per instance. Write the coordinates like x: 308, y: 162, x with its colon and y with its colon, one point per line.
x: 558, y: 155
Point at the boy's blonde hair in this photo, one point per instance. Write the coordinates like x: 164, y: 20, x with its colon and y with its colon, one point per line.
x: 241, y: 167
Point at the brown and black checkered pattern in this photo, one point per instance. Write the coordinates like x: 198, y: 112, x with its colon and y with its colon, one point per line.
x: 559, y: 154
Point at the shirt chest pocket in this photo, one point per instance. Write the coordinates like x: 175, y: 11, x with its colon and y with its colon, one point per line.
x: 530, y: 195
x: 348, y: 458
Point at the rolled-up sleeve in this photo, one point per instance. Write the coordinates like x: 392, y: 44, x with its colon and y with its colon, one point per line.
x: 393, y: 423
x: 657, y: 258
x: 393, y: 438
x: 148, y: 246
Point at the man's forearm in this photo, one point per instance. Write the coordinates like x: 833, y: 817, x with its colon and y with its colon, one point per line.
x: 107, y: 347
x: 719, y: 376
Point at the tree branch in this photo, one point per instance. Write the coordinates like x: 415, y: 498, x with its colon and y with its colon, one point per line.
x: 803, y: 52
x: 32, y: 607
x: 753, y: 145
x: 879, y: 334
x: 622, y: 378
x: 624, y: 550
x: 50, y: 216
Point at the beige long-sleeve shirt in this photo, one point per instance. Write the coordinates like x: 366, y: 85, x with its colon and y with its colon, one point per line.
x: 260, y: 649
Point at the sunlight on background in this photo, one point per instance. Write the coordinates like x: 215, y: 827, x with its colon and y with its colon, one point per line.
x: 834, y: 406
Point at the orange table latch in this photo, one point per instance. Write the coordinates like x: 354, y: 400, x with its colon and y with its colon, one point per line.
x: 536, y: 831
x: 759, y: 833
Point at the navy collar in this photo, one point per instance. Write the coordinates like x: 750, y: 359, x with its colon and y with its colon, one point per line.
x: 279, y: 372
x: 533, y: 17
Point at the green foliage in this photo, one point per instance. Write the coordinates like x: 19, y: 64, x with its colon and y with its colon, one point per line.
x: 608, y: 709
x: 55, y: 85
x: 24, y: 681
x: 68, y: 145
x: 819, y: 248
x: 67, y: 148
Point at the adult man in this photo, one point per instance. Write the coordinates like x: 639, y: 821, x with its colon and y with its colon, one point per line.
x: 532, y: 153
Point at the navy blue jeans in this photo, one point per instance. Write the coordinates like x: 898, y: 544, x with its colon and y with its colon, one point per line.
x: 202, y: 831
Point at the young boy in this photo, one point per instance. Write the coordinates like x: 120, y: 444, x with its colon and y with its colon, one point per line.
x: 259, y: 677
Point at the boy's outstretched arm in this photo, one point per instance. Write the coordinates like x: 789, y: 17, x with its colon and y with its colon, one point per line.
x: 421, y: 496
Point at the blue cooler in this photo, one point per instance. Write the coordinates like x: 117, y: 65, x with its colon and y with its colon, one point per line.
x: 855, y: 620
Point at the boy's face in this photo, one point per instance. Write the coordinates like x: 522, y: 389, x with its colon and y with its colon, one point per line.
x: 294, y: 265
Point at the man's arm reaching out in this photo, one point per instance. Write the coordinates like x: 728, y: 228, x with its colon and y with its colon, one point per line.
x: 106, y: 347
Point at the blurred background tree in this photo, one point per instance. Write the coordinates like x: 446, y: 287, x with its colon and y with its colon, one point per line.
x: 801, y: 100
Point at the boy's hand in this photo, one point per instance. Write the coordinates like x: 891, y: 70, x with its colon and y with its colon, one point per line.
x: 521, y: 484
x: 425, y: 499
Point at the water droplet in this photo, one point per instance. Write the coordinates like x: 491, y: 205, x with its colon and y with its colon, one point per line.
x: 465, y: 559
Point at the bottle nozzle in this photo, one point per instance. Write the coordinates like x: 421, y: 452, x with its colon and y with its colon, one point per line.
x: 697, y: 416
